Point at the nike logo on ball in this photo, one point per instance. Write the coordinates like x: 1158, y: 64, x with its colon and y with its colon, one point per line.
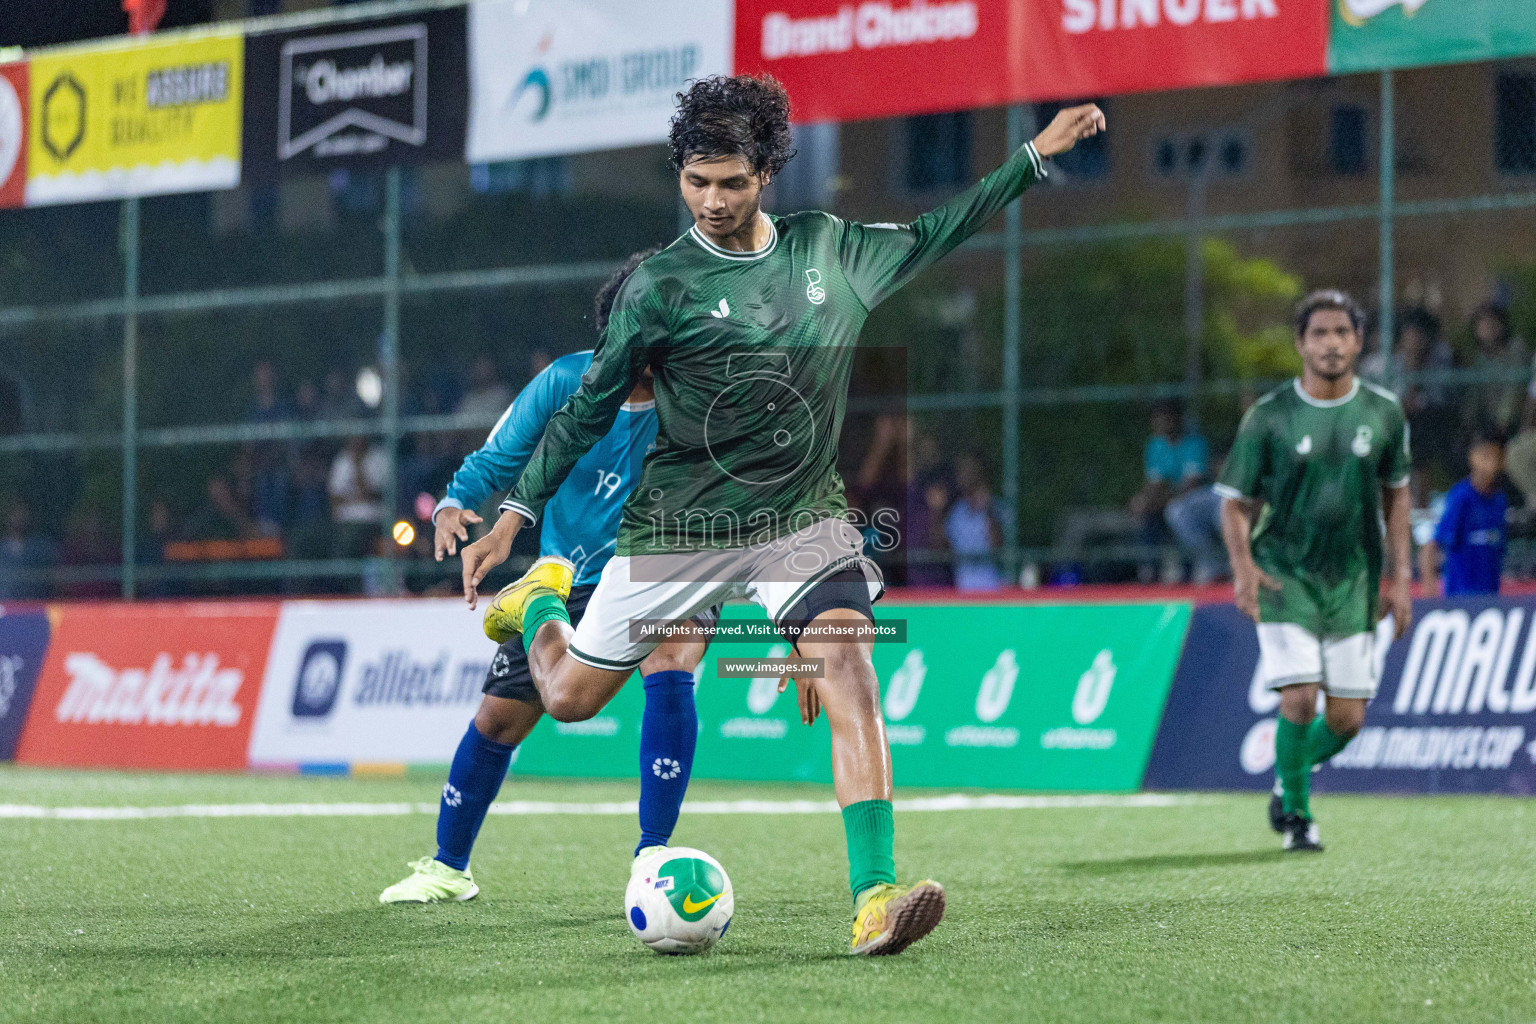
x: 690, y: 907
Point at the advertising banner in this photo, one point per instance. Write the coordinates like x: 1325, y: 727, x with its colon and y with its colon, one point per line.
x: 170, y: 686
x: 353, y: 682
x: 1372, y: 34
x: 13, y: 133
x: 1455, y: 712
x: 569, y: 76
x: 1078, y: 48
x: 380, y: 92
x: 23, y: 643
x: 843, y: 60
x: 1031, y: 696
x: 157, y: 116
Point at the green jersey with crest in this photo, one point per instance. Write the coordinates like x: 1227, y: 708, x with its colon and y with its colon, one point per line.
x: 1319, y: 468
x: 751, y: 354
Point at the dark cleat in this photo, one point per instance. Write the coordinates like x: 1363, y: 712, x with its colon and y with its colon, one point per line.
x: 1301, y: 835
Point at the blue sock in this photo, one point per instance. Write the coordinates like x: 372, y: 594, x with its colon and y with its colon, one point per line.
x: 669, y: 730
x: 479, y: 766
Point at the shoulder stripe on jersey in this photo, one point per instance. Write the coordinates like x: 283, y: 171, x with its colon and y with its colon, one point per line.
x: 1382, y: 392
x: 1228, y: 491
x: 729, y: 254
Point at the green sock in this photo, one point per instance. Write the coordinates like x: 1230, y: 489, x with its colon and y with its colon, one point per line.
x: 539, y: 611
x: 1292, y: 766
x: 1323, y: 742
x: 871, y: 830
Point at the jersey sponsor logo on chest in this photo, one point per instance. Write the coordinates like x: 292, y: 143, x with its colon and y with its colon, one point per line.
x: 1361, y: 445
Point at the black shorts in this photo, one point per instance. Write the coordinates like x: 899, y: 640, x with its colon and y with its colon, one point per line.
x: 846, y: 589
x: 509, y: 676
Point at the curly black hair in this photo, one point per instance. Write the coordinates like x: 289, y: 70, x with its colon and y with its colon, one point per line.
x: 602, y: 305
x: 743, y: 115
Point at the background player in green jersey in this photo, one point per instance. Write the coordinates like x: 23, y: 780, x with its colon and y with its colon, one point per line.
x: 1316, y: 465
x: 749, y: 323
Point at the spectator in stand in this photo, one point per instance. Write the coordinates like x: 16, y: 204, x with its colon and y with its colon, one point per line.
x: 339, y: 399
x: 356, y: 488
x: 157, y: 531
x: 1419, y: 348
x: 221, y: 517
x: 1195, y: 521
x: 1174, y: 463
x: 929, y: 490
x: 23, y: 554
x: 90, y: 545
x: 487, y: 397
x: 268, y: 459
x: 974, y: 528
x: 1497, y: 351
x: 1470, y: 534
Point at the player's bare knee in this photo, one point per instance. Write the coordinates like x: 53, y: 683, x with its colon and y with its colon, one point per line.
x: 1299, y: 703
x: 672, y: 658
x: 1345, y: 719
x: 506, y: 721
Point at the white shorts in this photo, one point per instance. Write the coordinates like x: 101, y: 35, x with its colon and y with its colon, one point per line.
x: 1289, y: 654
x: 675, y: 587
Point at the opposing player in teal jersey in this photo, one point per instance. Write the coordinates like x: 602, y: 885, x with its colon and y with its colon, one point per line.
x: 749, y: 323
x: 1315, y: 466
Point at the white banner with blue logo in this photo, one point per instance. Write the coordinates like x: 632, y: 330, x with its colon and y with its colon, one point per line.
x: 369, y: 681
x: 567, y: 76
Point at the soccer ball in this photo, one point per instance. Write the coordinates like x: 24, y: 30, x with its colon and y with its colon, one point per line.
x: 679, y: 900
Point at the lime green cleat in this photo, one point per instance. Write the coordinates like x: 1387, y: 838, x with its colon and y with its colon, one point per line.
x: 889, y: 918
x: 504, y: 615
x: 432, y: 881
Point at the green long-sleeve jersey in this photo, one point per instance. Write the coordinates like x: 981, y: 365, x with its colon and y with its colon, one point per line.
x: 751, y: 354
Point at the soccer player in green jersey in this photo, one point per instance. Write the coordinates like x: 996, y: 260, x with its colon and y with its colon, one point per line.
x: 1316, y: 465
x: 749, y: 324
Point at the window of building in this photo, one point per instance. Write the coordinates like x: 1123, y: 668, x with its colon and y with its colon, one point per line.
x: 1348, y: 147
x: 1514, y: 123
x: 938, y: 153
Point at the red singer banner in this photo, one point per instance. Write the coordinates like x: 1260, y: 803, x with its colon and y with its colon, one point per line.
x: 150, y: 686
x: 843, y: 61
x: 13, y: 133
x: 1077, y: 48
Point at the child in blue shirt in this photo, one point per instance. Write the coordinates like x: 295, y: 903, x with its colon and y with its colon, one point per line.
x: 1470, y: 534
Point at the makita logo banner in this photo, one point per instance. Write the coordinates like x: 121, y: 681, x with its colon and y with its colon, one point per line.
x: 1455, y: 711
x: 370, y: 681
x: 197, y: 692
x: 149, y: 686
x: 381, y: 91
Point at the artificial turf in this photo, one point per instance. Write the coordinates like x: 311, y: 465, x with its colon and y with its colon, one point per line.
x: 1421, y: 910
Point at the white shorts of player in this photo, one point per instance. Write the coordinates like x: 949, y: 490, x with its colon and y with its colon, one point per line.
x: 1289, y: 654
x: 675, y: 587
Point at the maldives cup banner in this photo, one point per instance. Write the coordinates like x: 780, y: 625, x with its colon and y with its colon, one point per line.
x: 352, y: 682
x: 1372, y: 34
x: 13, y: 133
x: 367, y: 93
x: 570, y: 76
x: 1077, y: 48
x: 843, y: 61
x: 171, y: 686
x: 1455, y: 711
x: 151, y: 117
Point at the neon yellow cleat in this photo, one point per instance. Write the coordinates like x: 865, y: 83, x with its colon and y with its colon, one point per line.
x: 432, y: 881
x: 504, y: 615
x: 890, y: 918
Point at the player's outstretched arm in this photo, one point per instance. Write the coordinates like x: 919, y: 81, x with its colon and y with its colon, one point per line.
x: 878, y: 259
x: 488, y: 552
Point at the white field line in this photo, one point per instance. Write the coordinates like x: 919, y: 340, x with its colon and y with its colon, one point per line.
x: 953, y: 802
